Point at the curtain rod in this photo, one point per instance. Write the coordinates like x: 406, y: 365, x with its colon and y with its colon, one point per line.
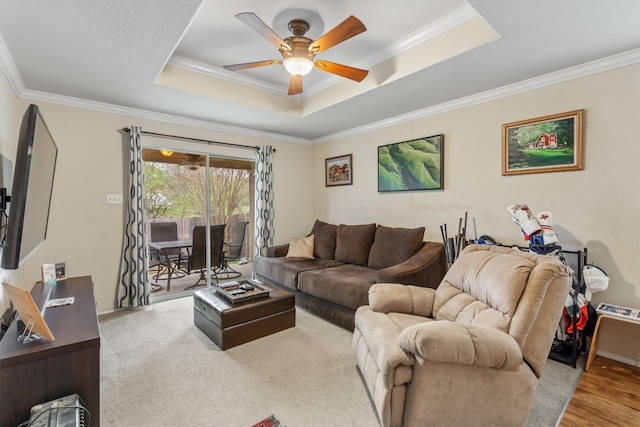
x: 206, y: 141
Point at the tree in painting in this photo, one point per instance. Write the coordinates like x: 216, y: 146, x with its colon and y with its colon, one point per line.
x: 529, y: 147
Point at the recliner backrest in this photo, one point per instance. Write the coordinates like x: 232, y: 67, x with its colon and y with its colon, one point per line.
x: 506, y: 289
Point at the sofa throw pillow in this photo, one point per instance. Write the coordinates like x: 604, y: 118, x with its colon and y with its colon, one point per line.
x: 324, y: 240
x: 394, y: 245
x: 301, y: 247
x: 353, y: 243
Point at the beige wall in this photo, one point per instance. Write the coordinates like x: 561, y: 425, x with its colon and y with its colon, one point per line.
x: 10, y: 118
x: 597, y: 208
x: 85, y: 232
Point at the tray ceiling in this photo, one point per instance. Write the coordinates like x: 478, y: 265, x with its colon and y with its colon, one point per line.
x: 163, y: 58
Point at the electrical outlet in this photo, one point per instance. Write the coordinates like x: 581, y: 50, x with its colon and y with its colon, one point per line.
x: 114, y: 199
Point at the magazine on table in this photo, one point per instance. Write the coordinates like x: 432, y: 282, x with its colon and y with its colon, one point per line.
x: 619, y: 311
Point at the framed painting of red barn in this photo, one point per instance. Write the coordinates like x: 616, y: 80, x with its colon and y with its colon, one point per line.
x: 552, y: 143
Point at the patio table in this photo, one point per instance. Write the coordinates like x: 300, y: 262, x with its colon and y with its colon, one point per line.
x: 164, y: 249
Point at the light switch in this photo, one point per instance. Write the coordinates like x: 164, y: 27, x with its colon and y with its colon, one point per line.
x: 114, y: 199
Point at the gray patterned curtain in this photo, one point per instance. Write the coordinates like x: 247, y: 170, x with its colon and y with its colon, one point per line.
x: 134, y: 289
x: 264, y: 200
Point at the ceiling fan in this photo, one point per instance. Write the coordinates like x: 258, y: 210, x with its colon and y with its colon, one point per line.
x: 299, y: 51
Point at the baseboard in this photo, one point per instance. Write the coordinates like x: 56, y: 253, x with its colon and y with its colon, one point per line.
x: 619, y: 358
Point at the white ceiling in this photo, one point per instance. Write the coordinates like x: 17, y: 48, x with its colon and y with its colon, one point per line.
x: 163, y: 58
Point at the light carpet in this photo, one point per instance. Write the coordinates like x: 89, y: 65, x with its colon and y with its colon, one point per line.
x: 158, y: 369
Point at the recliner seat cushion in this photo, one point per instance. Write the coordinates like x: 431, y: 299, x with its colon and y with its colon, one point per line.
x: 393, y: 246
x: 353, y: 243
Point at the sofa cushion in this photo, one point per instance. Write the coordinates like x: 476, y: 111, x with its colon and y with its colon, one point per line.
x: 324, y: 240
x: 284, y: 271
x: 353, y: 243
x: 301, y: 247
x: 346, y: 285
x: 393, y: 246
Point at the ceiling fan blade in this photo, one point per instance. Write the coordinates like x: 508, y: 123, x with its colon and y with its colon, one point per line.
x: 295, y: 84
x: 252, y: 20
x: 352, y: 73
x: 348, y: 28
x: 246, y: 66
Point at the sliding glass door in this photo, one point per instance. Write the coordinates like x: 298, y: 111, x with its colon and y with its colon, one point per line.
x: 198, y: 200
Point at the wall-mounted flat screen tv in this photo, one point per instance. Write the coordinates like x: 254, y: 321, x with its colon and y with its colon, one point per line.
x: 30, y: 197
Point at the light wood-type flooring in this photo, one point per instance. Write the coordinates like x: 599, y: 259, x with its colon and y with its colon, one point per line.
x: 607, y: 395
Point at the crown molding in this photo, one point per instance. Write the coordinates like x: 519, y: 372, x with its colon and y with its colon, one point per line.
x: 601, y: 65
x: 15, y: 80
x: 221, y: 73
x: 594, y: 67
x: 10, y: 70
x: 439, y: 26
x: 150, y: 115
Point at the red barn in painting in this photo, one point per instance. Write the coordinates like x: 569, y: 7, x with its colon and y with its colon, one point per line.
x: 547, y: 140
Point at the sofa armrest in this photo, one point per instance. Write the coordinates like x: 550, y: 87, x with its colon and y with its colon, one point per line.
x: 450, y: 342
x: 425, y: 268
x: 277, y: 251
x: 397, y: 298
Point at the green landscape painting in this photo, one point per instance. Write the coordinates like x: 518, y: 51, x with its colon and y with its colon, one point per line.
x: 412, y: 165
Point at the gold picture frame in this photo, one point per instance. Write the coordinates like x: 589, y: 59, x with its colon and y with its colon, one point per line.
x: 553, y: 143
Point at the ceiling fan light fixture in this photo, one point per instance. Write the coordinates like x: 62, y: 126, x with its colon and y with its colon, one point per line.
x: 298, y: 51
x: 296, y: 65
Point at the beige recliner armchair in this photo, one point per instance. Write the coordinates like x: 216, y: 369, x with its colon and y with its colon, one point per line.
x: 468, y: 353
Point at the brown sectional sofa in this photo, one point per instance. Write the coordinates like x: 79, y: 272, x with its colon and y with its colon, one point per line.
x: 346, y: 261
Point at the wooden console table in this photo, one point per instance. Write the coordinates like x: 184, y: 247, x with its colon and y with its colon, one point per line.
x: 41, y: 371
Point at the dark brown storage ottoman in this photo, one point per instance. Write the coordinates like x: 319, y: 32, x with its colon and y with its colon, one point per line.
x: 229, y: 325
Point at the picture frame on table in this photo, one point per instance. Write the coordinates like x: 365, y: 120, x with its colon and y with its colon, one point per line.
x: 35, y: 325
x: 553, y: 143
x: 417, y: 164
x: 338, y: 170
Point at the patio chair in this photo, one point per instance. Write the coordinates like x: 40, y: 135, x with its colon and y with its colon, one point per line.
x: 198, y: 258
x: 170, y: 259
x: 234, y: 249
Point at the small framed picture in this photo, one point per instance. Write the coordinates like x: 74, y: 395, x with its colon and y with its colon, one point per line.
x: 545, y: 144
x: 60, y: 271
x: 338, y: 170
